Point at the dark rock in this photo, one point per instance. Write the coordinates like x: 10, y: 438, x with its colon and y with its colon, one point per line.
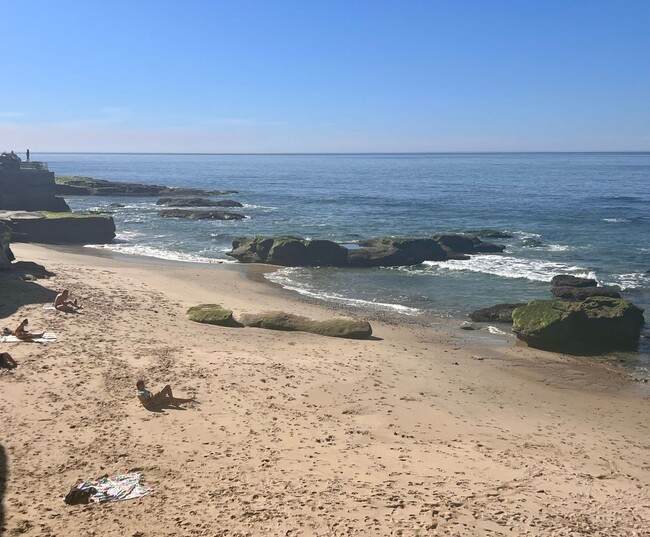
x: 288, y: 251
x: 59, y: 228
x: 594, y: 326
x: 200, y: 215
x: 197, y: 202
x: 87, y: 186
x: 501, y: 313
x: 395, y: 252
x: 566, y: 280
x: 533, y: 243
x: 6, y: 255
x: 277, y: 320
x: 29, y: 189
x: 580, y: 293
x: 460, y: 243
x: 211, y: 314
x: 490, y: 233
x: 117, y: 205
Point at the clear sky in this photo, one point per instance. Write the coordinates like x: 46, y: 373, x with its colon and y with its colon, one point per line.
x: 325, y: 76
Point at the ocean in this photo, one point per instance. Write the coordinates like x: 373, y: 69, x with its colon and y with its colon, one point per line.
x: 586, y: 214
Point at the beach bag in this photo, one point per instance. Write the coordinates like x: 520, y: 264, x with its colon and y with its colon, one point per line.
x: 77, y: 496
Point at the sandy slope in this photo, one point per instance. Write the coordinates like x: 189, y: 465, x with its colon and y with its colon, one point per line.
x: 419, y: 432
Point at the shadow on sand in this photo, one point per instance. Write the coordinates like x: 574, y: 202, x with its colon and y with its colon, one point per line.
x: 18, y: 289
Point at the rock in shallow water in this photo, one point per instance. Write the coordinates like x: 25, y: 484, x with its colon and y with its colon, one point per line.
x: 500, y: 313
x: 594, y: 326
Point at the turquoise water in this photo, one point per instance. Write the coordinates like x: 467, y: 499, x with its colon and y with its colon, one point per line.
x: 582, y: 214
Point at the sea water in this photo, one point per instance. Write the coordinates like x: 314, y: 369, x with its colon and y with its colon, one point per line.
x: 586, y: 214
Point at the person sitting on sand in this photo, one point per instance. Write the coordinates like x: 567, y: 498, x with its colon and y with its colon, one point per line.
x: 164, y: 396
x: 62, y: 302
x: 6, y: 361
x: 22, y: 333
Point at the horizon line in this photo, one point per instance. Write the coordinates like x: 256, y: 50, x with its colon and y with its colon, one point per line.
x: 325, y: 153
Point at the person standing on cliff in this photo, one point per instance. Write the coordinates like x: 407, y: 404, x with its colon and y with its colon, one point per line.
x: 27, y: 153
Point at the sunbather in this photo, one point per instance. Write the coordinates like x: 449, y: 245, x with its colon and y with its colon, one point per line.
x: 62, y: 302
x: 164, y: 396
x: 6, y: 361
x: 22, y: 333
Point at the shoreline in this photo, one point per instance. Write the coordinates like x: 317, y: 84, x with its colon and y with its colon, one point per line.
x: 420, y: 431
x: 255, y: 272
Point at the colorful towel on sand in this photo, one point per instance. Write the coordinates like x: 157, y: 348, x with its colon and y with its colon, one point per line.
x: 48, y: 337
x: 116, y: 488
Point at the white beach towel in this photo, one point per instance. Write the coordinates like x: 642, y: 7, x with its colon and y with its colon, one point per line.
x: 48, y: 337
x: 48, y: 307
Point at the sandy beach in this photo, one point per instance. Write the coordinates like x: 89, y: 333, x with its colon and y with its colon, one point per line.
x: 419, y: 431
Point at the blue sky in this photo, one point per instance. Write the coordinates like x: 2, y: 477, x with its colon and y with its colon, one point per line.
x: 325, y: 76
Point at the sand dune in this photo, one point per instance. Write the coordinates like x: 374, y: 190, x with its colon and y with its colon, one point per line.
x: 420, y: 432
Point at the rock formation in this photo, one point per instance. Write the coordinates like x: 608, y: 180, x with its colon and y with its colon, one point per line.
x: 594, y: 326
x: 574, y: 288
x: 379, y: 252
x: 87, y: 186
x: 211, y: 314
x: 28, y: 187
x: 277, y: 320
x: 59, y: 228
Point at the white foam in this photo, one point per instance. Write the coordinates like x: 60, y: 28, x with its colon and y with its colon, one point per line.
x: 631, y: 281
x: 282, y: 277
x: 264, y: 207
x: 511, y: 267
x: 159, y: 253
x: 615, y: 220
x: 497, y: 331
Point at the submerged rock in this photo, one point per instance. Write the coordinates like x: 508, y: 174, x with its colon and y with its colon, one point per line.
x: 197, y: 202
x: 594, y: 326
x: 200, y: 215
x: 500, y: 313
x: 490, y: 233
x: 277, y: 320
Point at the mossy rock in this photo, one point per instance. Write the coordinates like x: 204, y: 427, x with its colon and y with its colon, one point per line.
x: 211, y: 314
x: 594, y: 326
x: 277, y: 320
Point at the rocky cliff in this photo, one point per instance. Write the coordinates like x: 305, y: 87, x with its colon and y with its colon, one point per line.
x: 28, y: 187
x: 59, y: 228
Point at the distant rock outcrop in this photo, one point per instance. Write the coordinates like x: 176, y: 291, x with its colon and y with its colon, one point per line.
x: 200, y: 215
x: 289, y: 251
x: 595, y: 325
x: 197, y: 202
x: 490, y: 233
x: 87, y: 186
x: 59, y: 228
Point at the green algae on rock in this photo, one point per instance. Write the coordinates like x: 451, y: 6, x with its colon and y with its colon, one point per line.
x: 211, y: 314
x: 594, y: 326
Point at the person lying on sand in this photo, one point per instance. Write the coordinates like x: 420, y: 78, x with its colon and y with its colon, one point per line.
x: 62, y: 302
x: 6, y: 361
x: 164, y: 396
x: 22, y: 333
